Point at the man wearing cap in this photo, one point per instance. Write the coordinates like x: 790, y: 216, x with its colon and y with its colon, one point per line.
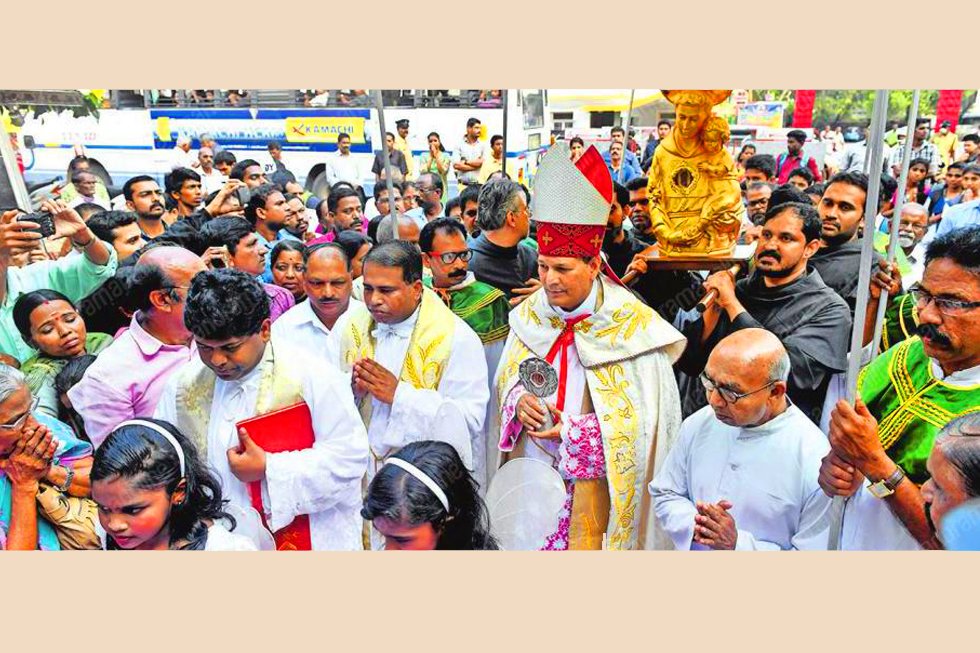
x: 401, y: 144
x: 615, y: 411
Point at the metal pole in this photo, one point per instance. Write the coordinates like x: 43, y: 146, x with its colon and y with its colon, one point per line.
x: 504, y: 96
x: 896, y: 217
x: 392, y: 209
x: 875, y: 152
x: 626, y: 136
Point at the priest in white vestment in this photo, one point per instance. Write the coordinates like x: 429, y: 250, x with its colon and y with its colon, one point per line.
x: 412, y: 362
x: 743, y: 474
x: 242, y: 373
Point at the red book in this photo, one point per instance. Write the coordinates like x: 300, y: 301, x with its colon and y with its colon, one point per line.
x: 286, y: 429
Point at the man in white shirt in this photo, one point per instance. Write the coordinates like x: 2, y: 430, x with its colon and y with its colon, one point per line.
x: 408, y: 354
x: 469, y: 156
x: 912, y: 226
x: 181, y: 157
x: 342, y: 166
x: 211, y: 178
x: 743, y: 474
x: 242, y: 373
x: 327, y: 282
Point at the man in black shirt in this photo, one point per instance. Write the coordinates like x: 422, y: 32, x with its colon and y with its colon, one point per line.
x: 399, y: 167
x: 782, y: 296
x: 499, y: 257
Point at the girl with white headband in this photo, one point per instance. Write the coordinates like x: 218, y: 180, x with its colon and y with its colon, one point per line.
x: 154, y: 493
x: 424, y: 498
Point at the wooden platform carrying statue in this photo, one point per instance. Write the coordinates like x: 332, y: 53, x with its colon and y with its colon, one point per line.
x: 695, y: 205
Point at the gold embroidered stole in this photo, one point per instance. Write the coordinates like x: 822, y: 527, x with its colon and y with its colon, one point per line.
x: 195, y: 395
x: 428, y: 352
x: 611, y: 345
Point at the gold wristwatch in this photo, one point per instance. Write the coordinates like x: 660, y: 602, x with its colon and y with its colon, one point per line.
x: 886, y: 486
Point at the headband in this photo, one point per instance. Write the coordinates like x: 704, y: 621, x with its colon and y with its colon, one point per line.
x: 423, y: 478
x: 168, y: 436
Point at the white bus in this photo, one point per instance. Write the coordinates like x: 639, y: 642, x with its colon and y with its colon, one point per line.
x: 125, y: 142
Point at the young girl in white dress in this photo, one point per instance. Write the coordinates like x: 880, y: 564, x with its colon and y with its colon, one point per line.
x: 154, y: 493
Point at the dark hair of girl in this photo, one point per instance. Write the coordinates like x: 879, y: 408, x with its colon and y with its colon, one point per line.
x: 399, y: 496
x: 149, y: 461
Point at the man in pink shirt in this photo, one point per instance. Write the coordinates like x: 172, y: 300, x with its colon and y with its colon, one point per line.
x: 126, y: 380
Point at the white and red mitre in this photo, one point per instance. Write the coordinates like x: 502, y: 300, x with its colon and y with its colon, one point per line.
x: 571, y: 202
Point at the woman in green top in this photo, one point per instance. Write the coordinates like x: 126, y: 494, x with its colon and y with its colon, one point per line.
x: 436, y: 161
x: 49, y: 322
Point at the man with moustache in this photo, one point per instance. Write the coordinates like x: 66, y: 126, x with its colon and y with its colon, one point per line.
x: 127, y: 379
x: 327, y: 282
x: 907, y: 395
x: 842, y: 211
x: 901, y: 316
x: 484, y: 308
x: 783, y: 296
x: 144, y: 197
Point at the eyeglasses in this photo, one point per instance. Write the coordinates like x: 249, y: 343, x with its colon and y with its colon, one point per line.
x: 19, y: 422
x: 730, y: 396
x: 642, y: 202
x: 471, y: 213
x: 759, y: 202
x: 944, y: 305
x: 448, y: 257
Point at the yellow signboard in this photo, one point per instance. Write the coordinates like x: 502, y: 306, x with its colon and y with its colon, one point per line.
x: 324, y: 130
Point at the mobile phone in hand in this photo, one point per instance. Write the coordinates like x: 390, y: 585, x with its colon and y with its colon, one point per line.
x: 44, y: 220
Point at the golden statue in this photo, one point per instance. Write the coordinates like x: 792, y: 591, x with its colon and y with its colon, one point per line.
x: 695, y: 200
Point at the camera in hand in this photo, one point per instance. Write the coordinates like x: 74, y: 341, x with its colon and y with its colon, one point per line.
x: 43, y: 219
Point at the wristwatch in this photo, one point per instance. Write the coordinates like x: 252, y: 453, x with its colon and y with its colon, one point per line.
x: 886, y: 486
x: 64, y: 487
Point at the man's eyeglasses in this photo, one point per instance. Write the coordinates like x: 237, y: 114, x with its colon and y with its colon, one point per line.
x: 759, y: 202
x: 447, y: 258
x: 19, y: 422
x: 730, y: 396
x: 471, y: 213
x: 945, y: 305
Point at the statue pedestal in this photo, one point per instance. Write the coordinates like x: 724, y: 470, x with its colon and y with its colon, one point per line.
x: 741, y: 256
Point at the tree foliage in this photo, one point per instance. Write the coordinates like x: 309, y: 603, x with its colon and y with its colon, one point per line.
x: 846, y: 107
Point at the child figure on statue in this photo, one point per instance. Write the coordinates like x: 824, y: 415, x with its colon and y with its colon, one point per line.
x: 721, y: 215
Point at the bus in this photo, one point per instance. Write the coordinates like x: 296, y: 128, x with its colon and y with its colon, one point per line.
x: 127, y: 141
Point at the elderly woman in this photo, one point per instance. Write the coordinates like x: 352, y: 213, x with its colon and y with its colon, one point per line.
x: 44, y: 476
x: 49, y: 322
x: 954, y: 470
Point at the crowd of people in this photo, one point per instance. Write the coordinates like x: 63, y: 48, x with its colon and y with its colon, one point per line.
x: 230, y: 362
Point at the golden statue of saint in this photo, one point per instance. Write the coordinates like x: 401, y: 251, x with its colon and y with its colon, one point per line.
x: 695, y: 200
